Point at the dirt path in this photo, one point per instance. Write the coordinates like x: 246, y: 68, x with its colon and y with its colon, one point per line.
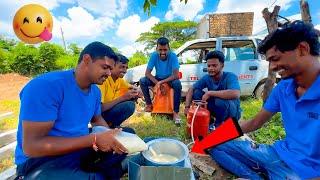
x: 11, y: 85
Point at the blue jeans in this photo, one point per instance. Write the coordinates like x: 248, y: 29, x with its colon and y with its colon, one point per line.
x: 221, y: 109
x: 247, y: 161
x: 175, y: 85
x: 119, y: 113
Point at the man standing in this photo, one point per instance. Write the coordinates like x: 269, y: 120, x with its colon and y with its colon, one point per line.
x: 117, y: 96
x: 55, y: 110
x: 293, y: 52
x: 223, y: 90
x: 167, y: 71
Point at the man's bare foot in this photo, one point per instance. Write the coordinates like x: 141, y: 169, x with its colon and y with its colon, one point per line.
x: 148, y: 108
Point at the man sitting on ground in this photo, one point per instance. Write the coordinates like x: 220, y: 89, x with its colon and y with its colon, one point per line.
x: 292, y: 51
x: 56, y: 107
x: 118, y: 96
x: 223, y: 90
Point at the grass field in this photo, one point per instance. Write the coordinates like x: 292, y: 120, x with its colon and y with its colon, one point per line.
x: 161, y: 126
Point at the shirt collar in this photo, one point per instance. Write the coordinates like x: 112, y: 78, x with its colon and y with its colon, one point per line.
x: 312, y: 93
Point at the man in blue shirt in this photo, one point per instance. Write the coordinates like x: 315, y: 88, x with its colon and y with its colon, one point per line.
x: 223, y: 90
x: 167, y: 71
x: 292, y: 51
x: 55, y: 110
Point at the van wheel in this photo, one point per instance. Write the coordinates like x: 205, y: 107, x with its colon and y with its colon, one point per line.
x: 258, y: 92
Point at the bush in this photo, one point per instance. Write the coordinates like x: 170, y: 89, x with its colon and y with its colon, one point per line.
x: 4, y: 62
x: 137, y: 59
x: 29, y: 60
x: 48, y: 54
x: 26, y: 60
x: 66, y: 62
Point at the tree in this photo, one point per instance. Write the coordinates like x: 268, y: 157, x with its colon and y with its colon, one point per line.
x: 137, y: 59
x: 7, y: 43
x: 177, y: 32
x: 272, y: 24
x: 74, y: 49
x: 147, y: 4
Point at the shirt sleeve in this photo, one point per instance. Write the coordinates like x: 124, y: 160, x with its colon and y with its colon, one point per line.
x: 175, y: 61
x: 272, y: 103
x: 40, y: 101
x: 201, y: 83
x: 151, y: 62
x: 232, y: 82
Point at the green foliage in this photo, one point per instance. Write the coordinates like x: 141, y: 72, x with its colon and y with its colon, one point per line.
x: 29, y: 60
x: 271, y: 131
x: 177, y: 32
x: 147, y: 5
x: 26, y: 58
x: 67, y: 62
x: 137, y: 59
x: 75, y: 50
x: 6, y: 44
x: 48, y: 53
x: 4, y: 62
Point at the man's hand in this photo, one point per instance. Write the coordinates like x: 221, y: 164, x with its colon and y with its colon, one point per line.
x: 132, y: 93
x: 206, y: 96
x: 159, y: 83
x: 106, y: 142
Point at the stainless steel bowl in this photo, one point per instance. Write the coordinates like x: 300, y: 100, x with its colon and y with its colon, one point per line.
x: 165, y: 152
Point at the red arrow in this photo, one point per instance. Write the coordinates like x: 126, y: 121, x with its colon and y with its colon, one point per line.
x: 227, y: 131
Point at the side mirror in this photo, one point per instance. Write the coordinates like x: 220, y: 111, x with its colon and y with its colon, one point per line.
x: 205, y: 69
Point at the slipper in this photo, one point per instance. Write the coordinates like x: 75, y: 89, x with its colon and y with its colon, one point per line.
x: 177, y: 122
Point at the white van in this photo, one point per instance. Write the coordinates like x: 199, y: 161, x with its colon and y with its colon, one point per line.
x: 241, y: 58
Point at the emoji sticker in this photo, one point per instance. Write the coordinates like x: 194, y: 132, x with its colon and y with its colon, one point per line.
x: 33, y: 24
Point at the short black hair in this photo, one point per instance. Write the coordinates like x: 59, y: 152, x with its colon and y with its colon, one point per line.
x: 288, y: 36
x: 163, y: 41
x: 98, y: 50
x: 215, y: 54
x: 123, y: 59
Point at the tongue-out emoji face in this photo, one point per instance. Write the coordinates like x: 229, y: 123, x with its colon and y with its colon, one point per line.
x: 33, y: 24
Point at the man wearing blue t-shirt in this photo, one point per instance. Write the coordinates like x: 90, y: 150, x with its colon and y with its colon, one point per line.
x: 223, y: 90
x: 167, y: 71
x: 293, y: 51
x: 56, y: 107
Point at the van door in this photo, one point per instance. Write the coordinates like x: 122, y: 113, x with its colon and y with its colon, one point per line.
x: 191, y: 60
x: 242, y: 59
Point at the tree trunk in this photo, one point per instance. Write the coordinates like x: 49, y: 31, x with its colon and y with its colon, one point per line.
x: 305, y: 13
x: 272, y: 24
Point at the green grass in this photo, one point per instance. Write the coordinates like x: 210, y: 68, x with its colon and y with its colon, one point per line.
x: 146, y: 125
x: 9, y: 106
x: 271, y: 131
x: 6, y: 163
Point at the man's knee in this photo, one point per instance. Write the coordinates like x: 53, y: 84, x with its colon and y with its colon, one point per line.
x: 223, y: 103
x: 231, y: 105
x: 126, y: 107
x: 176, y: 85
x: 197, y: 94
x: 129, y: 106
x: 145, y: 81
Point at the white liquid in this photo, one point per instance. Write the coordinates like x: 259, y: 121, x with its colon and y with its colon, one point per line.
x: 164, y: 158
